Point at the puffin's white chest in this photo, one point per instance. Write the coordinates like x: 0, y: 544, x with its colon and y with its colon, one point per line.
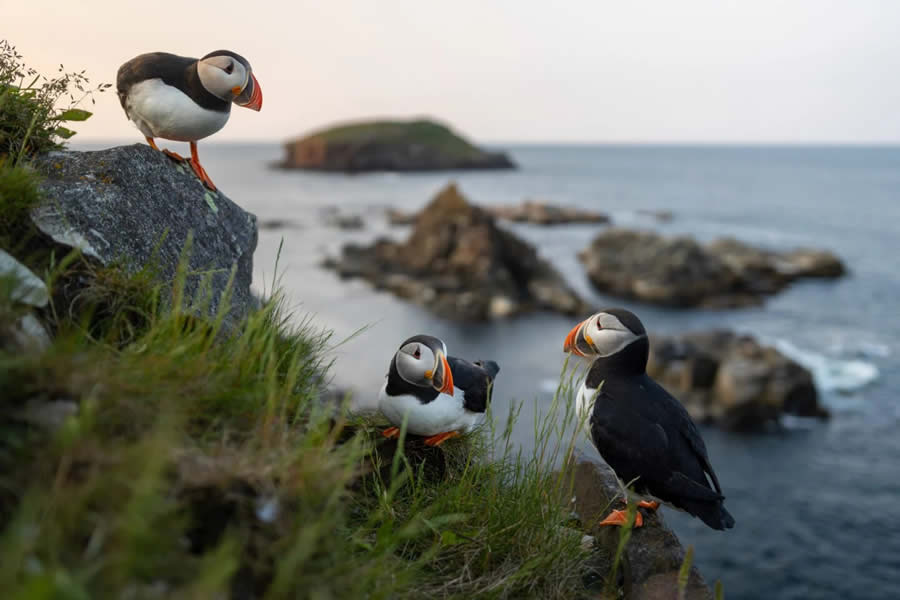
x: 444, y: 413
x: 584, y: 401
x: 163, y: 111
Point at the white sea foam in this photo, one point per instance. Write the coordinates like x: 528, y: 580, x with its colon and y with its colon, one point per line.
x: 831, y: 374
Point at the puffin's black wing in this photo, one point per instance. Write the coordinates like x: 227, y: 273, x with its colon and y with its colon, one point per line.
x: 153, y: 65
x: 177, y: 71
x: 645, y: 434
x: 475, y: 379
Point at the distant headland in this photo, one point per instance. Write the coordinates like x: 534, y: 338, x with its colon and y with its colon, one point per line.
x: 380, y: 145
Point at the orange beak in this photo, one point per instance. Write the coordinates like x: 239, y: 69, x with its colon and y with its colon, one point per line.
x: 442, y: 378
x: 572, y: 340
x: 255, y: 101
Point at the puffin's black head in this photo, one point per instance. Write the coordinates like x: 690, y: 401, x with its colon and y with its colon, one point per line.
x: 422, y: 361
x: 606, y: 333
x: 229, y: 76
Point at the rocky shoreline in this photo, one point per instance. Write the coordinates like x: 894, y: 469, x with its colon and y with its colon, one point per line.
x: 732, y: 380
x: 461, y: 265
x: 530, y: 211
x: 681, y: 272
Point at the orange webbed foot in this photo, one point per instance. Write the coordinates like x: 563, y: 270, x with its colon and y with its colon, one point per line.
x: 202, y: 175
x: 620, y: 517
x: 649, y: 504
x: 391, y: 433
x: 437, y: 440
x: 173, y: 155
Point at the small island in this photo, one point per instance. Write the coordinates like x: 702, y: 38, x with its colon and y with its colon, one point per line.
x: 417, y: 145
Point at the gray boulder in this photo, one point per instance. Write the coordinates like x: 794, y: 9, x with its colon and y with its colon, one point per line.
x: 732, y: 380
x: 131, y: 204
x: 680, y: 271
x: 653, y: 555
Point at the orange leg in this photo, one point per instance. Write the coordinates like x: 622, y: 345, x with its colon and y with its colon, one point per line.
x: 391, y: 432
x: 167, y: 152
x: 198, y: 168
x: 437, y: 440
x: 649, y: 504
x: 620, y: 517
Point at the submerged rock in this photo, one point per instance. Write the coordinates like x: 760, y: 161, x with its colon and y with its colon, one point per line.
x: 541, y: 213
x: 732, y: 380
x: 536, y: 213
x: 461, y: 265
x: 681, y: 272
x: 131, y: 205
x: 417, y: 145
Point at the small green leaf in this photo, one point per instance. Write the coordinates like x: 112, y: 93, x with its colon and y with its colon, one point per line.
x: 63, y: 132
x: 448, y: 538
x: 74, y: 114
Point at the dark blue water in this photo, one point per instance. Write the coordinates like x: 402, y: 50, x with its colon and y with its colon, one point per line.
x: 817, y: 504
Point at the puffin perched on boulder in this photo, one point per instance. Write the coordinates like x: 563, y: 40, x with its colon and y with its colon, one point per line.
x: 440, y: 396
x: 186, y: 99
x: 640, y: 430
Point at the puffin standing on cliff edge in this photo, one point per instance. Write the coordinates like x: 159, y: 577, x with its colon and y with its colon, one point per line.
x: 640, y: 430
x: 185, y: 99
x: 440, y: 396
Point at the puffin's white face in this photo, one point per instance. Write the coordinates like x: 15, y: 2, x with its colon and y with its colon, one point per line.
x: 602, y: 334
x: 421, y: 366
x: 223, y: 76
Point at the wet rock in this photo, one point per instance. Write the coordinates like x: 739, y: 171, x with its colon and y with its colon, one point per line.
x: 541, y: 213
x: 399, y: 217
x: 732, y: 380
x: 681, y: 272
x: 344, y: 221
x: 131, y: 204
x: 663, y: 216
x: 276, y: 224
x: 653, y: 555
x: 461, y: 265
x: 389, y: 146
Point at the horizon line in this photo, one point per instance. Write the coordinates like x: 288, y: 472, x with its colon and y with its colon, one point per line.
x: 610, y: 143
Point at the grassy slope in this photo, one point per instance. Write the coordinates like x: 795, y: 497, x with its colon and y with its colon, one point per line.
x: 422, y: 132
x: 194, y: 464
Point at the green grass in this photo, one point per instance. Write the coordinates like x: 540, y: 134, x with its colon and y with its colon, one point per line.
x: 189, y: 462
x: 427, y: 133
x: 31, y: 117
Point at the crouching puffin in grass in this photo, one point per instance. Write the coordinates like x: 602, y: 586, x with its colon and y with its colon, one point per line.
x: 439, y: 396
x: 640, y: 430
x: 186, y: 99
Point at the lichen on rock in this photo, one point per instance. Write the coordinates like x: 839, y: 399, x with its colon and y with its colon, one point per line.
x: 132, y: 205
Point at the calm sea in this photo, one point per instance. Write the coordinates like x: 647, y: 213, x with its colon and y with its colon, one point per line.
x: 817, y: 504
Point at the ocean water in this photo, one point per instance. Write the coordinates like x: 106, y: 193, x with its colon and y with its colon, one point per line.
x: 817, y: 504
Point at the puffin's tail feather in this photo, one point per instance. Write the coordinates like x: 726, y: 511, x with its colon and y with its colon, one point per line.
x: 713, y: 514
x: 490, y: 366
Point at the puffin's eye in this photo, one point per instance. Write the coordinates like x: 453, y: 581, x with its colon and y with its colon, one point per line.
x: 599, y: 325
x: 417, y: 353
x: 230, y: 68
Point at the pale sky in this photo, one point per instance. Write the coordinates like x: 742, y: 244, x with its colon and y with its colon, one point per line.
x: 518, y: 70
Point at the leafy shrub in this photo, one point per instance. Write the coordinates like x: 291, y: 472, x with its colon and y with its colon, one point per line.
x: 30, y: 122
